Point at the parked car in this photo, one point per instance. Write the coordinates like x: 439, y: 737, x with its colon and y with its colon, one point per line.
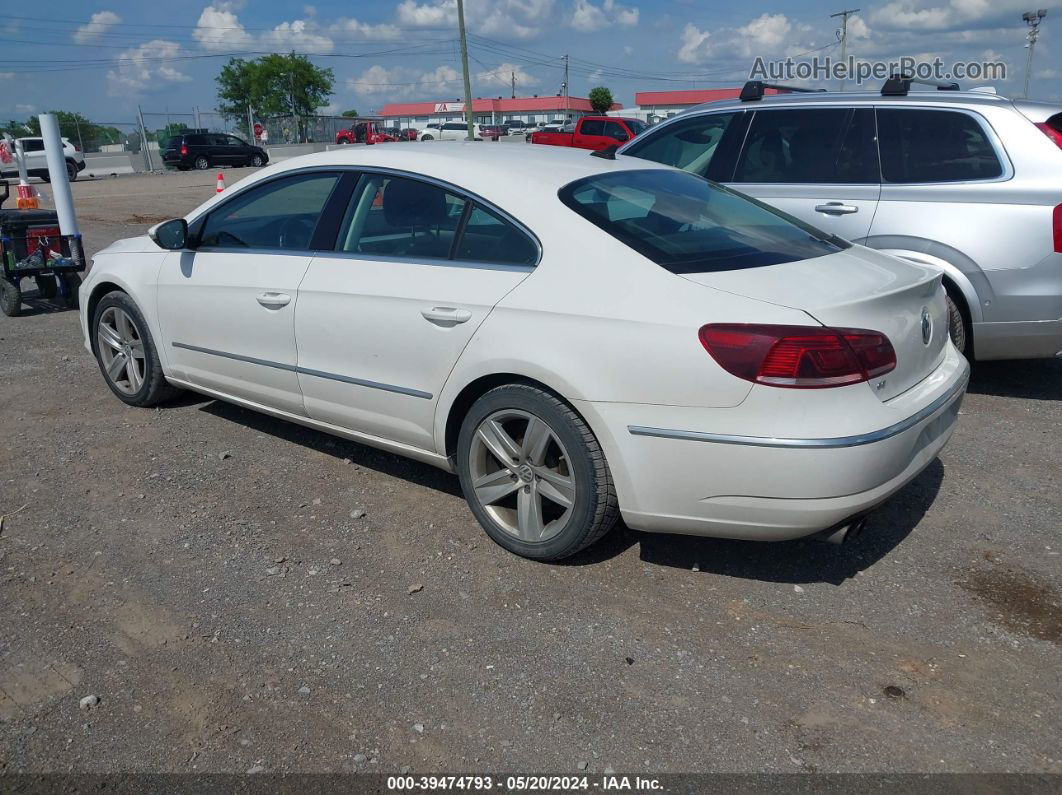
x: 203, y: 150
x: 965, y: 182
x: 37, y: 163
x: 593, y: 132
x: 365, y: 131
x: 494, y: 130
x: 450, y: 131
x: 705, y: 365
x: 516, y: 126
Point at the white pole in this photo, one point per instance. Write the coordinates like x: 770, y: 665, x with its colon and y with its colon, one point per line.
x: 53, y: 150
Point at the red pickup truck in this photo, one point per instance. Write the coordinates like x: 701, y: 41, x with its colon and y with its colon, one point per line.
x: 593, y: 132
x: 364, y: 132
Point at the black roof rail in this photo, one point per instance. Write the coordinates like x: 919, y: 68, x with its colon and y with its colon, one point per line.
x: 900, y: 85
x: 754, y: 90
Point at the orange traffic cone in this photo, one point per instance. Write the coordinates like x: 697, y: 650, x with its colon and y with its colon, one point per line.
x: 221, y: 182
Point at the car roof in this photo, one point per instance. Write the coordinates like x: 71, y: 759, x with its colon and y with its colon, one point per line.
x: 489, y: 170
x: 968, y: 98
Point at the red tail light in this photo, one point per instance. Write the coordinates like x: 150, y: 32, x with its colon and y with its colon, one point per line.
x: 1058, y: 229
x: 77, y: 148
x: 799, y: 357
x: 1052, y: 133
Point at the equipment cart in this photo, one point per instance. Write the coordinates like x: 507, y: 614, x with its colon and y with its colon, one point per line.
x: 31, y: 246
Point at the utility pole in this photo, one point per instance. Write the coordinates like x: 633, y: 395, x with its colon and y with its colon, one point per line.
x: 250, y: 123
x: 843, y: 35
x: 567, y: 104
x: 1033, y: 20
x: 512, y: 78
x: 143, y: 134
x: 464, y: 68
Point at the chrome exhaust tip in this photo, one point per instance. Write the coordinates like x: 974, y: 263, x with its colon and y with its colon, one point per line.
x: 845, y: 534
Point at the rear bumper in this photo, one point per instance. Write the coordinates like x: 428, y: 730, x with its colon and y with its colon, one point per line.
x: 1027, y: 339
x: 701, y: 482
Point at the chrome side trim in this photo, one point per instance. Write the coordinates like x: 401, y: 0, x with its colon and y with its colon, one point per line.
x: 346, y: 379
x: 943, y: 401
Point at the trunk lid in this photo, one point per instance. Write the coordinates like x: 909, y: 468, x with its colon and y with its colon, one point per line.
x: 857, y: 288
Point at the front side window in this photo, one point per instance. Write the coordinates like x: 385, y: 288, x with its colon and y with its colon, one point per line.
x: 281, y: 214
x: 593, y: 127
x: 689, y: 225
x: 809, y: 146
x: 934, y: 146
x: 691, y: 145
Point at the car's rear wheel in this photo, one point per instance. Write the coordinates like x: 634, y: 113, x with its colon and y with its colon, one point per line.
x: 126, y: 353
x: 202, y: 163
x: 427, y: 137
x: 534, y: 474
x: 957, y: 325
x: 71, y: 170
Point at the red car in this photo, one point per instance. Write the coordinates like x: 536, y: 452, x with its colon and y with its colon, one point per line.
x: 364, y: 132
x: 593, y: 132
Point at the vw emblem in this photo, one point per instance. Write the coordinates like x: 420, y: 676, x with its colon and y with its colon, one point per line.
x: 927, y: 326
x: 526, y: 473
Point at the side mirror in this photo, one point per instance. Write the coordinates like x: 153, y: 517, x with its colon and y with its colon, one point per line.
x: 623, y: 137
x: 171, y: 235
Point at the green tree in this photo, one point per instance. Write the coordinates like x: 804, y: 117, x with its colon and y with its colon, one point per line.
x: 71, y: 125
x: 600, y: 99
x: 273, y: 85
x: 349, y: 114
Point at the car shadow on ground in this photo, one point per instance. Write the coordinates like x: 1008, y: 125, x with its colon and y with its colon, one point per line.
x: 1037, y: 379
x: 358, y: 454
x: 803, y: 561
x: 34, y: 304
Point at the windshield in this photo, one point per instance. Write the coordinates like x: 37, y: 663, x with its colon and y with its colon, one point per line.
x: 689, y: 225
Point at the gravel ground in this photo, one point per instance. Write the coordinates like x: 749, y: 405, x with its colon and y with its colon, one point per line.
x: 207, y: 575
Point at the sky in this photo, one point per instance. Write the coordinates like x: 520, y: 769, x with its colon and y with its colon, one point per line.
x: 104, y: 59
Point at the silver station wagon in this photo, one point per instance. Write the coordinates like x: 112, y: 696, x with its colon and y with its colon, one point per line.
x: 967, y: 182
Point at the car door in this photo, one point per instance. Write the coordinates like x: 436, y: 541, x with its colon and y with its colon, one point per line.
x: 241, y: 151
x: 33, y: 149
x: 590, y: 134
x: 383, y: 318
x: 817, y: 164
x: 226, y: 308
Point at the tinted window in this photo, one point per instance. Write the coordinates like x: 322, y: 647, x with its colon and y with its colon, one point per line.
x: 489, y: 238
x: 691, y: 145
x: 826, y: 146
x: 455, y: 126
x: 174, y: 142
x: 934, y: 146
x: 592, y: 127
x: 637, y: 127
x: 281, y: 214
x: 399, y: 217
x: 195, y: 140
x: 32, y: 145
x: 689, y: 225
x: 615, y: 130
x: 233, y: 141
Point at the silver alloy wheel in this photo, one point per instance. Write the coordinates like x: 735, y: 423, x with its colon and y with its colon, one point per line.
x: 121, y: 350
x: 520, y: 474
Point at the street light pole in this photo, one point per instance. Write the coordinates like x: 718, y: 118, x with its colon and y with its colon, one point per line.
x: 464, y: 69
x: 1033, y: 20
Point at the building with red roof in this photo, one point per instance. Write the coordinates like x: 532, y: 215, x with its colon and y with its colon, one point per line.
x: 489, y: 111
x: 665, y: 104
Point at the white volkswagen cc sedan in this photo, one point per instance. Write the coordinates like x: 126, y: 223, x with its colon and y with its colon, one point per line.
x: 579, y: 338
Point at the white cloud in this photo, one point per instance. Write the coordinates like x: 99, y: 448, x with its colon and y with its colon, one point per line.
x: 767, y: 35
x: 7, y: 75
x: 378, y: 80
x: 522, y: 19
x: 587, y: 17
x: 693, y: 45
x: 920, y: 16
x: 219, y: 28
x: 20, y: 108
x: 404, y: 81
x: 98, y: 24
x: 503, y: 76
x: 353, y: 29
x: 301, y: 35
x: 140, y: 68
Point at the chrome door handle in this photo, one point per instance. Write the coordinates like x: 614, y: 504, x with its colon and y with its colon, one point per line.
x: 446, y: 315
x: 836, y: 208
x: 274, y: 300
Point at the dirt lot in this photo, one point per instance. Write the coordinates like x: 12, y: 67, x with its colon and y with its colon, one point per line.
x: 198, y: 568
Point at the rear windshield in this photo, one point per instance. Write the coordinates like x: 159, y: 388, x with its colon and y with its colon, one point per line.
x: 687, y: 224
x: 174, y: 142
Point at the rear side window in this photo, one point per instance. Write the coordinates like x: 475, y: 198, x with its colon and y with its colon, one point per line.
x: 32, y: 145
x: 934, y: 146
x: 174, y: 142
x: 195, y: 140
x: 810, y: 146
x: 487, y: 237
x: 281, y: 214
x: 592, y: 127
x: 693, y: 145
x: 689, y: 225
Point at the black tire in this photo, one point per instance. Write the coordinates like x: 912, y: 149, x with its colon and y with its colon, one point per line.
x: 595, y: 508
x: 68, y: 296
x: 957, y: 329
x: 71, y: 170
x: 155, y: 389
x: 46, y: 286
x: 202, y: 162
x: 427, y: 137
x: 257, y: 161
x: 10, y: 298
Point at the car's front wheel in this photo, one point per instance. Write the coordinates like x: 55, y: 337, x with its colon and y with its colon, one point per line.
x: 126, y: 353
x: 534, y: 474
x: 202, y: 163
x: 427, y: 137
x: 256, y: 161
